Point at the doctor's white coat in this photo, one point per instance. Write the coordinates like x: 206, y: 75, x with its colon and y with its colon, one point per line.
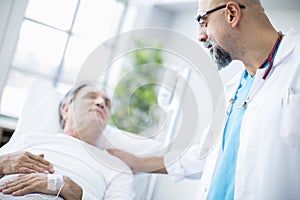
x: 268, y: 163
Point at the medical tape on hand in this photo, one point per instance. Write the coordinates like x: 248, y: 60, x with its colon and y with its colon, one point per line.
x: 54, y: 182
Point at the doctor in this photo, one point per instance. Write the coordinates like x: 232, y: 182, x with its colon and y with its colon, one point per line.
x: 259, y: 155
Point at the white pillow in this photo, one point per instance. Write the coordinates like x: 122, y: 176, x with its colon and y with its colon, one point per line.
x: 40, y: 111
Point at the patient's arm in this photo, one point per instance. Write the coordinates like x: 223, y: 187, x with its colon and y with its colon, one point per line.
x: 37, y: 182
x: 141, y: 164
x: 25, y: 163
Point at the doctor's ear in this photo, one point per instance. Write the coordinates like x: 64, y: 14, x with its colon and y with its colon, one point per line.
x: 64, y: 111
x: 233, y: 13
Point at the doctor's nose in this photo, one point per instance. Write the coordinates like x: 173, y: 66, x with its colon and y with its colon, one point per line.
x: 202, y: 34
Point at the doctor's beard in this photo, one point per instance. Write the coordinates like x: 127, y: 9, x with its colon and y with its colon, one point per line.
x: 218, y: 54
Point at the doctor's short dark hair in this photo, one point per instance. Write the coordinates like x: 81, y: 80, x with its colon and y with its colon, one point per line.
x: 70, y: 96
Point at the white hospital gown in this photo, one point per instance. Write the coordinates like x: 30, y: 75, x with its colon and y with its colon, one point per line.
x: 101, y: 175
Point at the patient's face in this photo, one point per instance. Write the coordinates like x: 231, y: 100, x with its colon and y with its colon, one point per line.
x: 87, y: 115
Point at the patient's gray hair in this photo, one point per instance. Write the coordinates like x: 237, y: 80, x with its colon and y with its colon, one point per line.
x: 70, y: 96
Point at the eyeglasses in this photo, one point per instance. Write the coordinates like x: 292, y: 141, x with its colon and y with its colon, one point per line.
x: 204, y: 14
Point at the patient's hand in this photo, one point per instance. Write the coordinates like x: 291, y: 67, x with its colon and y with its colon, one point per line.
x: 25, y: 163
x: 38, y: 183
x: 26, y: 184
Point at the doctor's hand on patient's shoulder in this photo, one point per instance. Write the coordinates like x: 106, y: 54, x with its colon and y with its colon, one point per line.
x: 38, y: 183
x: 131, y: 160
x: 25, y: 163
x: 140, y: 164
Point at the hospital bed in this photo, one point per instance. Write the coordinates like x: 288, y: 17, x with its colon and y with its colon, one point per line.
x: 40, y: 115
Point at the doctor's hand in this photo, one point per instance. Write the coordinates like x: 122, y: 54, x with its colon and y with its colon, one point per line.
x: 38, y: 183
x: 140, y: 164
x: 25, y: 163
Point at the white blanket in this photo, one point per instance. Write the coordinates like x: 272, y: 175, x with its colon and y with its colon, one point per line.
x: 101, y: 175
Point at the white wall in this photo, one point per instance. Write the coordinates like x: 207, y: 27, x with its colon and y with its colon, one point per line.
x: 284, y: 20
x: 184, y: 23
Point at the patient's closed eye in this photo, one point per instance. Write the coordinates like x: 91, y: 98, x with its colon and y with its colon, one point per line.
x: 91, y: 95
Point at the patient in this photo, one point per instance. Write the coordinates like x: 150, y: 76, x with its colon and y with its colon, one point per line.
x: 84, y: 113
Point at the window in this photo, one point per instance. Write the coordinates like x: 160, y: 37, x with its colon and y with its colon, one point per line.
x: 55, y: 38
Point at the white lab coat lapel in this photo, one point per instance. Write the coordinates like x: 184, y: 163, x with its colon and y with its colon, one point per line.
x: 288, y: 44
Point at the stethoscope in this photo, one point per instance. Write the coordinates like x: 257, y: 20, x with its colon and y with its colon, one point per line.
x: 270, y: 60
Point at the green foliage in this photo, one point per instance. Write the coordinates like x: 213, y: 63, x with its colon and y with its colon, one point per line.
x: 136, y: 92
